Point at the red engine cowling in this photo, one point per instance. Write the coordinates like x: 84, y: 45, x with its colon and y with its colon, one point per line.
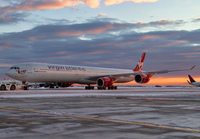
x: 64, y: 84
x: 104, y: 82
x: 142, y: 78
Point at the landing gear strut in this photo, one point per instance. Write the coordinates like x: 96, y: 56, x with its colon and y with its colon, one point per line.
x: 25, y: 87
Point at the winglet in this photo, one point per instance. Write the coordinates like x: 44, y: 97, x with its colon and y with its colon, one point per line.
x: 188, y: 82
x: 140, y: 63
x: 193, y: 67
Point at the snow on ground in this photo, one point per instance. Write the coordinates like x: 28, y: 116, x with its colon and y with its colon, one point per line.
x: 121, y: 92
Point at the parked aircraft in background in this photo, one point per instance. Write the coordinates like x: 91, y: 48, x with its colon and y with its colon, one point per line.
x: 193, y: 82
x: 66, y: 75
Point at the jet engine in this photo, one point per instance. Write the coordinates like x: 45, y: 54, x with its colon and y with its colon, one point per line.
x: 64, y: 84
x: 104, y: 82
x: 142, y: 78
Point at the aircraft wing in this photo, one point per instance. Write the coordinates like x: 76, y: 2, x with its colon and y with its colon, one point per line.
x: 166, y: 71
x: 115, y: 76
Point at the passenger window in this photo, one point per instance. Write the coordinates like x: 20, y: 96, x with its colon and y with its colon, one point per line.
x: 14, y: 68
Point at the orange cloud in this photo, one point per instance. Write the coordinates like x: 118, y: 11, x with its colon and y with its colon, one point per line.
x: 150, y: 37
x: 61, y: 52
x: 101, y: 14
x: 97, y: 52
x: 69, y: 33
x: 91, y: 31
x: 92, y: 3
x: 141, y: 23
x: 32, y: 38
x: 44, y: 5
x: 196, y: 19
x: 5, y: 46
x: 171, y: 43
x: 111, y: 2
x: 100, y: 29
x: 74, y: 8
x: 32, y: 5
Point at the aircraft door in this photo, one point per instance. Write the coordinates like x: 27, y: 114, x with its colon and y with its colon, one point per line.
x: 29, y: 68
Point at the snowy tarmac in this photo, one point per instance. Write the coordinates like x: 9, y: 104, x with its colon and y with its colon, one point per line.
x: 138, y: 113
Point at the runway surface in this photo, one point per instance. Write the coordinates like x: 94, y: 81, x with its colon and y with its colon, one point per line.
x: 138, y: 113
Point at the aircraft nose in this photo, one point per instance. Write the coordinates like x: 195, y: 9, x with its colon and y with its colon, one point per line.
x: 9, y: 73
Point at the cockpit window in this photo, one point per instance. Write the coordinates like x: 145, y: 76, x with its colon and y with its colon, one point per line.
x: 14, y: 68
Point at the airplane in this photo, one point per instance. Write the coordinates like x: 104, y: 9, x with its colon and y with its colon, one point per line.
x: 66, y: 75
x: 193, y: 82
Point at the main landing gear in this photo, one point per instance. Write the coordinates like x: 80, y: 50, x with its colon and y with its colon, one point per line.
x: 109, y: 88
x: 89, y: 87
x: 112, y: 87
x: 25, y: 85
x: 101, y: 88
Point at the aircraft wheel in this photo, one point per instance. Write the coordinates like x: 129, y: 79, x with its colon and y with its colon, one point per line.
x: 89, y: 87
x: 112, y: 87
x: 99, y: 88
x: 12, y: 87
x: 26, y: 88
x: 51, y: 86
x: 3, y: 87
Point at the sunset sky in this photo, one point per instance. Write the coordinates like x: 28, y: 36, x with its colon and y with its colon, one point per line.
x: 103, y: 33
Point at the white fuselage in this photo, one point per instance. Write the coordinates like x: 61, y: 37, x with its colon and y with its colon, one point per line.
x: 195, y: 84
x: 48, y: 73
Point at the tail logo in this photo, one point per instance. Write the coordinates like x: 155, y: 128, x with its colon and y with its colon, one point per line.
x: 140, y: 63
x: 22, y: 72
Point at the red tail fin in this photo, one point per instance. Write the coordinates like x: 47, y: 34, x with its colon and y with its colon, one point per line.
x: 140, y: 63
x: 191, y: 79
